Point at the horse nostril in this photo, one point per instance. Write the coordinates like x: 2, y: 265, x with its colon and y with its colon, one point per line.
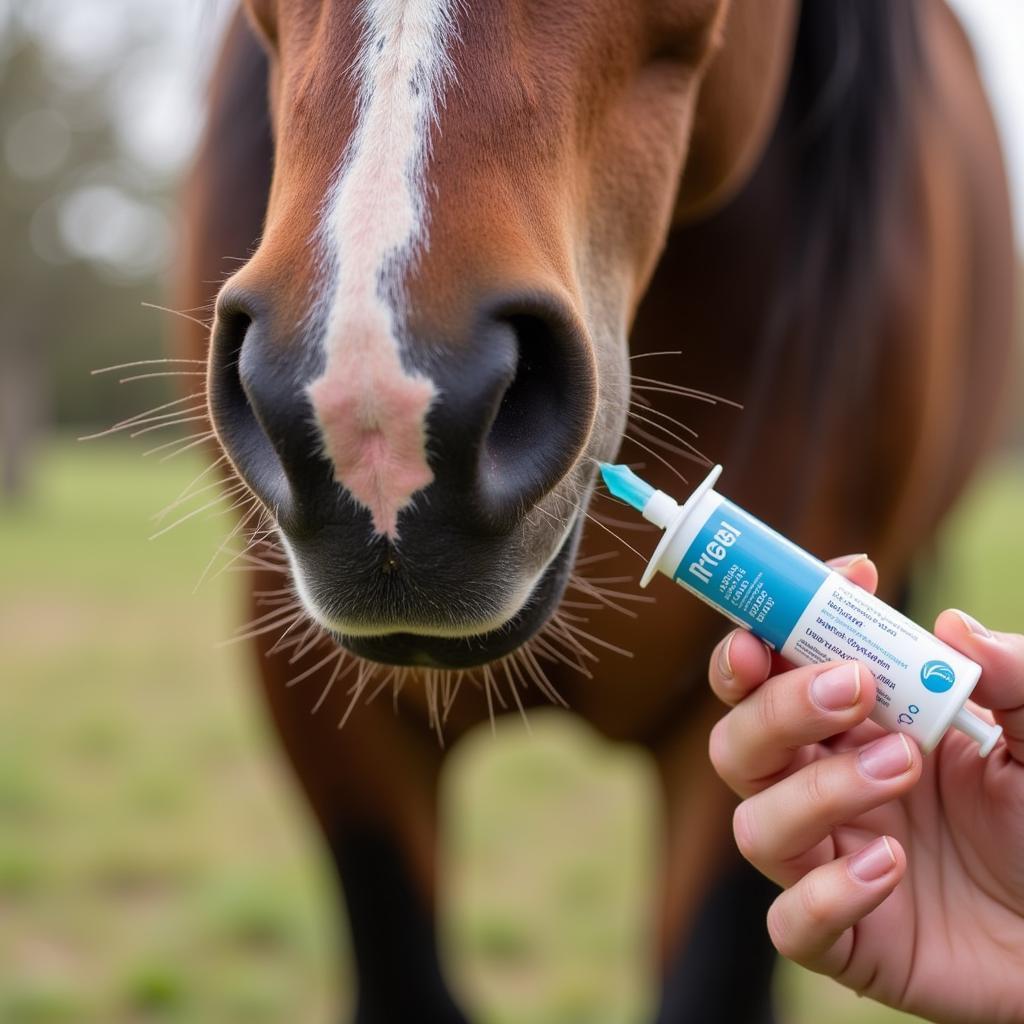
x: 527, y: 415
x: 512, y: 413
x: 251, y: 402
x: 227, y: 396
x: 532, y: 397
x: 543, y: 417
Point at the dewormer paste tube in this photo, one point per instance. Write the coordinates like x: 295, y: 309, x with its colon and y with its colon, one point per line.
x: 804, y: 610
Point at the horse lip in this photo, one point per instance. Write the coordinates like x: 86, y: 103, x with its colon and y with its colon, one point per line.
x: 455, y: 652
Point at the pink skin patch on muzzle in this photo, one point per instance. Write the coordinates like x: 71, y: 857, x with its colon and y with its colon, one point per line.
x: 372, y: 416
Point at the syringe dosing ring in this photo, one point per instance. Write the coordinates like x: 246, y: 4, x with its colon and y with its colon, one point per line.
x: 682, y: 513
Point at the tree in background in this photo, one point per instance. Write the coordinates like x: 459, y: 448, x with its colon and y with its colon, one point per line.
x: 95, y: 121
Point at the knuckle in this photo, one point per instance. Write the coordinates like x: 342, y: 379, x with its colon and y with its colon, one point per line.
x: 743, y: 832
x: 866, y: 699
x: 767, y: 706
x: 780, y: 931
x: 718, y: 746
x: 819, y: 788
x: 814, y: 904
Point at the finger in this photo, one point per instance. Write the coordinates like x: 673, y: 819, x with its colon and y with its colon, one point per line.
x: 739, y: 664
x: 763, y: 734
x: 776, y: 829
x: 1001, y: 657
x: 858, y: 569
x: 810, y: 922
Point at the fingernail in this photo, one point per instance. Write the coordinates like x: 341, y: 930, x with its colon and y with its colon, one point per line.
x: 973, y: 625
x: 838, y: 688
x: 874, y: 861
x: 843, y: 561
x: 724, y: 664
x: 886, y: 758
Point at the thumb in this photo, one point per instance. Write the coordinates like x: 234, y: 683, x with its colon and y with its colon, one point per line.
x: 1001, y: 657
x: 858, y: 569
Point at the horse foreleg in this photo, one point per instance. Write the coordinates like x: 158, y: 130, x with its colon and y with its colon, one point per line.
x: 393, y: 930
x: 373, y: 788
x: 716, y: 958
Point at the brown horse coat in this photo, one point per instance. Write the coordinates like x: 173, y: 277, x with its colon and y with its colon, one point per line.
x: 839, y: 261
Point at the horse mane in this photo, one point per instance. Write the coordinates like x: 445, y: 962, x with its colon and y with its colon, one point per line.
x: 846, y: 140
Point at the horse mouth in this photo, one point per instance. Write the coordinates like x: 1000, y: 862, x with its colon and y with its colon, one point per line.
x: 462, y: 652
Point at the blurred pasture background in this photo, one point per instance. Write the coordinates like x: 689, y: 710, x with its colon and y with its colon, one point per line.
x: 155, y: 863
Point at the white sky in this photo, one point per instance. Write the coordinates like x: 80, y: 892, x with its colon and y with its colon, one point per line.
x: 164, y: 79
x: 997, y: 30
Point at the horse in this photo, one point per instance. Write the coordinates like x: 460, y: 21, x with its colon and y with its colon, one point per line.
x: 482, y: 246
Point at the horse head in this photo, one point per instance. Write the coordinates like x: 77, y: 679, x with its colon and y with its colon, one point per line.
x: 426, y: 353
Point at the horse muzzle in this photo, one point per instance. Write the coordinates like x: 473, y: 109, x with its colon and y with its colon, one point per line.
x: 477, y: 557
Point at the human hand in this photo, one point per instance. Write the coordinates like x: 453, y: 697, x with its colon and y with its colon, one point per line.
x: 902, y: 876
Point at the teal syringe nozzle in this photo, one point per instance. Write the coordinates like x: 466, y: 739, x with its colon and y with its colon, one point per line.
x: 655, y: 506
x: 625, y: 485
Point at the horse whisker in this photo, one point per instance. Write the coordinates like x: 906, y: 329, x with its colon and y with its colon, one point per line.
x: 661, y: 459
x: 360, y: 685
x: 651, y: 355
x: 688, y: 451
x: 261, y: 535
x: 144, y: 362
x: 558, y: 628
x: 165, y: 405
x: 305, y: 643
x: 254, y: 563
x: 140, y: 421
x: 667, y: 431
x: 162, y: 373
x: 177, y: 312
x: 515, y: 693
x: 597, y: 522
x: 610, y: 603
x: 203, y: 435
x: 238, y: 528
x: 188, y: 493
x: 597, y: 640
x: 618, y: 595
x: 490, y: 701
x: 178, y: 502
x: 278, y: 614
x: 540, y: 680
x: 336, y: 676
x: 543, y: 644
x: 172, y: 423
x: 454, y: 682
x: 685, y: 392
x: 190, y: 515
x: 389, y: 677
x: 591, y: 559
x: 287, y: 616
x: 294, y: 681
x: 649, y: 407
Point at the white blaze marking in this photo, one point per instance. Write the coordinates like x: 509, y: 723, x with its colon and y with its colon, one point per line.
x: 372, y: 412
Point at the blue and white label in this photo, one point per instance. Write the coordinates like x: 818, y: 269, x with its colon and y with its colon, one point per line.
x: 811, y: 615
x: 750, y: 572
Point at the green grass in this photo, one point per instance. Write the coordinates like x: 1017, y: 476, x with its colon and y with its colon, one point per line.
x: 156, y: 864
